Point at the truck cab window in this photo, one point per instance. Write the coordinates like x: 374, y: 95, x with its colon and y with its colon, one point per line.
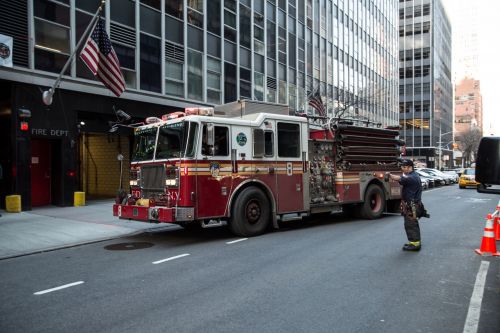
x: 262, y: 143
x: 288, y: 140
x: 221, y: 142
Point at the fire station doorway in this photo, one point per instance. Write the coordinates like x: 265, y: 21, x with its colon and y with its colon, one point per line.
x: 99, y: 166
x: 45, y: 172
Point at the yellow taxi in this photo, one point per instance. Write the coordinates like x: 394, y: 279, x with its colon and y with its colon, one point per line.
x: 468, y: 178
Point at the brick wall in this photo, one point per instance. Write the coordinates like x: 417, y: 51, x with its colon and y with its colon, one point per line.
x: 100, y: 169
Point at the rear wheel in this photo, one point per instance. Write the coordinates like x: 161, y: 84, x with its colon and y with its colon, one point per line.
x: 250, y: 213
x: 374, y: 205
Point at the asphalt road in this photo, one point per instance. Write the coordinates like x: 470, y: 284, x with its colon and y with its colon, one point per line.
x: 333, y: 275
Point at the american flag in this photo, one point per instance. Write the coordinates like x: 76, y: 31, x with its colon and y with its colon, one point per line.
x: 101, y: 59
x: 317, y: 103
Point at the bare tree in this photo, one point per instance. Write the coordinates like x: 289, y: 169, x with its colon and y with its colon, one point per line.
x: 468, y: 142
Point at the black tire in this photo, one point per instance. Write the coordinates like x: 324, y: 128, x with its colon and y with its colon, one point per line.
x: 461, y: 187
x: 251, y: 213
x: 374, y: 205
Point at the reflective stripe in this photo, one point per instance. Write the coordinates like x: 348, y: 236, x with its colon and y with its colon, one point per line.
x: 489, y: 234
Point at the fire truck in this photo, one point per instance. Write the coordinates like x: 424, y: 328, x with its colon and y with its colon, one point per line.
x: 250, y: 165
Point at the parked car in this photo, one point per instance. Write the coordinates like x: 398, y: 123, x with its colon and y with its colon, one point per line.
x: 447, y: 178
x: 468, y: 178
x: 425, y: 183
x: 438, y: 181
x: 453, y: 174
x: 430, y: 181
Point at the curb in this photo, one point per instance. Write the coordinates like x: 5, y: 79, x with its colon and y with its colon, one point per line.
x: 70, y: 245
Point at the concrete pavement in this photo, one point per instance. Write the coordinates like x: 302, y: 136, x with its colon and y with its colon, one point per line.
x: 49, y: 228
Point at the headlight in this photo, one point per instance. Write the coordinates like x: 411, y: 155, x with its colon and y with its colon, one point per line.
x: 171, y: 182
x: 133, y: 183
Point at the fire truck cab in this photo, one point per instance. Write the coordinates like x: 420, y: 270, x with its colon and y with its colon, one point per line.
x: 250, y: 164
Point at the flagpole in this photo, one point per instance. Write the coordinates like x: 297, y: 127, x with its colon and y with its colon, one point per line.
x: 48, y: 94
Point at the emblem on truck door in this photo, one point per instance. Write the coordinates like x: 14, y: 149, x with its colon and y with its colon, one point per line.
x: 241, y: 138
x: 214, y: 169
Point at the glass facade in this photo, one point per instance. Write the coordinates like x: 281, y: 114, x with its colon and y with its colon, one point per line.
x: 425, y: 87
x: 211, y: 52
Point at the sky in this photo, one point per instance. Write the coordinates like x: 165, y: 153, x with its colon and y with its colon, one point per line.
x: 489, y: 59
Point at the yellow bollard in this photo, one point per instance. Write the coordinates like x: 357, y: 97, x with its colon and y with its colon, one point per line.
x: 79, y: 199
x: 13, y: 203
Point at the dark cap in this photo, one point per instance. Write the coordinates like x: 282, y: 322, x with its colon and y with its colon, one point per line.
x: 407, y: 162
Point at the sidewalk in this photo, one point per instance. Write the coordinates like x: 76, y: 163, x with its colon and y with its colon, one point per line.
x: 50, y: 228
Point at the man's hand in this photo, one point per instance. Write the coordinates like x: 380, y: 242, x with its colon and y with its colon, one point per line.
x: 393, y: 177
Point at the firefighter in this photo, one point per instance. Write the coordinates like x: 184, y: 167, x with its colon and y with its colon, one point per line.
x: 411, y: 203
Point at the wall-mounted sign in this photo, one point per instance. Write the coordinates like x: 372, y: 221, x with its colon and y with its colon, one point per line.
x: 5, y: 51
x: 49, y: 132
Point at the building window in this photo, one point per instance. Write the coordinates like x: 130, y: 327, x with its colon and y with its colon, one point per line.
x: 174, y: 30
x: 174, y: 8
x: 213, y: 17
x: 195, y: 73
x: 245, y: 26
x: 126, y: 55
x: 52, y: 47
x: 123, y: 12
x: 258, y: 86
x: 229, y: 83
x: 150, y: 21
x: 150, y: 62
x: 174, y: 78
x: 213, y: 80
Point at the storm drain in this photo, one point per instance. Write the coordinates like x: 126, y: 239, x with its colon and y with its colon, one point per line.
x: 128, y: 246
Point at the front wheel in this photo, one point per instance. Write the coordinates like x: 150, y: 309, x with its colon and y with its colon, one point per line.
x: 250, y: 213
x: 374, y: 205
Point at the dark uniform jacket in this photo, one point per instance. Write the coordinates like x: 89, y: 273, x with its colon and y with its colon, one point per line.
x: 412, y: 187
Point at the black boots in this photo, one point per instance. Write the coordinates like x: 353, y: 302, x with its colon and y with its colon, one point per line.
x: 412, y: 246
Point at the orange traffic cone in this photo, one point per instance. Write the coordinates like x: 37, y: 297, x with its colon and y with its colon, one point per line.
x: 497, y: 227
x: 488, y: 244
x: 497, y: 222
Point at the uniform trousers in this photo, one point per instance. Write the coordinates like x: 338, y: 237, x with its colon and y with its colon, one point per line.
x: 412, y: 228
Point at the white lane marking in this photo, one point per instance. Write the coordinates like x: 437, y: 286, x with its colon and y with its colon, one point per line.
x: 171, y: 258
x: 58, y: 288
x: 236, y: 241
x: 472, y: 320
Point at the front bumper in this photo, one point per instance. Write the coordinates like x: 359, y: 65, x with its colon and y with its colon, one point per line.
x: 467, y: 182
x: 154, y: 214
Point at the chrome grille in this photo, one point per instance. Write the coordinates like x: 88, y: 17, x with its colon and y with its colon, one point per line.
x: 152, y: 179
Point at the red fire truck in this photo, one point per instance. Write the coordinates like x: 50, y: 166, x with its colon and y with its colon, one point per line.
x: 250, y: 165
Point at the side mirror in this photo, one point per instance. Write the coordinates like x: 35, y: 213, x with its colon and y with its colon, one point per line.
x: 488, y: 164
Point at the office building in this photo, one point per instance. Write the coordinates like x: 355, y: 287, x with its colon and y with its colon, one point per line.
x: 425, y: 86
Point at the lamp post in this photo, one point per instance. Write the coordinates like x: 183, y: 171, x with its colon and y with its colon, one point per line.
x: 441, y: 146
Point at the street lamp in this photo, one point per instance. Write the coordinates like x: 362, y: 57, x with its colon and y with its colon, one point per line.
x: 441, y: 146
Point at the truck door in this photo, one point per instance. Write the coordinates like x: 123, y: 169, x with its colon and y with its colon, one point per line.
x: 214, y: 179
x: 290, y: 187
x: 264, y: 155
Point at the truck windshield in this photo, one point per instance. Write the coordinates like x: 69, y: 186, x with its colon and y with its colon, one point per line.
x: 175, y: 140
x: 144, y: 144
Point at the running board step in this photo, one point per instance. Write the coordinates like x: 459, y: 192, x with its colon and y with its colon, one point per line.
x: 212, y: 223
